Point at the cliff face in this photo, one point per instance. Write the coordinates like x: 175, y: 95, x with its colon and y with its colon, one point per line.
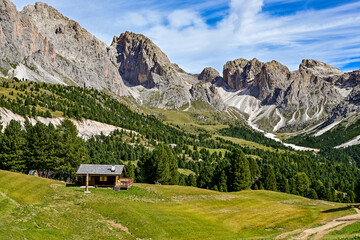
x: 140, y: 61
x: 20, y: 39
x: 81, y: 56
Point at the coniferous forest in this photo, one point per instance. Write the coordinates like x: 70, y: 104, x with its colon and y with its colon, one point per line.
x: 157, y: 152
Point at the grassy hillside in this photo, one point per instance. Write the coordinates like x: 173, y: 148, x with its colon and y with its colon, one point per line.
x: 35, y: 208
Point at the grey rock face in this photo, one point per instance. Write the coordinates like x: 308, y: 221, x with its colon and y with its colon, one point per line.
x: 241, y: 73
x: 209, y: 75
x: 140, y: 61
x: 20, y: 38
x: 81, y: 57
x: 207, y: 92
x: 271, y: 82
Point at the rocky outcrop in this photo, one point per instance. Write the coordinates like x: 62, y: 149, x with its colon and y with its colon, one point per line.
x: 271, y: 83
x: 209, y: 74
x: 207, y: 92
x: 140, y: 61
x: 240, y: 73
x: 144, y: 66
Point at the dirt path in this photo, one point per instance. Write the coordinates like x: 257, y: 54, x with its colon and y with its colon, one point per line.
x: 320, y: 232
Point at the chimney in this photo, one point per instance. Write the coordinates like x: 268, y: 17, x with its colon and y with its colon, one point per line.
x: 113, y: 168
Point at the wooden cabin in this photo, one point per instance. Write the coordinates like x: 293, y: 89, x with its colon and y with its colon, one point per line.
x: 99, y: 175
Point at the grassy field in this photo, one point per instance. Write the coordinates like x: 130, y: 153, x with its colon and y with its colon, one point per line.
x: 349, y: 232
x: 35, y: 208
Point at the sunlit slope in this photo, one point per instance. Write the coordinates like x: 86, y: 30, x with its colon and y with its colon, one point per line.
x: 35, y: 208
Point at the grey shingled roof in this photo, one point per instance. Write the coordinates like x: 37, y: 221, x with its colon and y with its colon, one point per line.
x: 99, y: 169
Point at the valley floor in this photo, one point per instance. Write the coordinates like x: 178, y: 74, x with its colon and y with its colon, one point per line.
x: 36, y: 208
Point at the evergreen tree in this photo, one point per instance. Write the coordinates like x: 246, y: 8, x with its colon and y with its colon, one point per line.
x: 12, y: 148
x: 130, y: 170
x: 71, y: 151
x: 269, y: 178
x: 222, y: 182
x: 240, y: 177
x: 302, y: 183
x: 191, y: 180
x: 254, y: 170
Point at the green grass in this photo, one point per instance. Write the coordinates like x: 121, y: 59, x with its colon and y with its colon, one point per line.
x: 351, y: 231
x: 35, y: 208
x: 249, y: 144
x: 185, y: 171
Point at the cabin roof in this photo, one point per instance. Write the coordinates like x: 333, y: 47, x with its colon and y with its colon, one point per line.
x: 99, y: 169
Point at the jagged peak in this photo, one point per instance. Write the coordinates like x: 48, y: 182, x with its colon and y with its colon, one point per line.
x: 45, y: 9
x: 318, y: 68
x: 209, y: 74
x: 141, y: 45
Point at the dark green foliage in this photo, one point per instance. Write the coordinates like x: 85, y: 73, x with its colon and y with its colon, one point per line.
x: 240, y: 176
x: 42, y: 147
x: 12, y: 148
x: 302, y: 183
x: 159, y: 166
x: 269, y: 178
x: 130, y: 170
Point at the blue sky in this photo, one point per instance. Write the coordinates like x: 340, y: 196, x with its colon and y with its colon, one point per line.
x: 196, y: 34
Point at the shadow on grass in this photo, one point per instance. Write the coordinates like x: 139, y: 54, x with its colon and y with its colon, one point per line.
x: 72, y: 185
x: 340, y: 209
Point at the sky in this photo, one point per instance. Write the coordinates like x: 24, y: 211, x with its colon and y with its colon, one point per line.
x: 197, y: 34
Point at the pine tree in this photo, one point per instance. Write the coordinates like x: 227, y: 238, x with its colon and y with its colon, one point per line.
x: 254, y: 170
x: 130, y: 170
x: 12, y: 145
x: 302, y: 183
x: 191, y: 180
x: 222, y: 182
x: 240, y: 177
x: 269, y: 178
x: 71, y: 151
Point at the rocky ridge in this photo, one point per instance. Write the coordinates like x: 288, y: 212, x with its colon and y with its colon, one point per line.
x: 289, y: 100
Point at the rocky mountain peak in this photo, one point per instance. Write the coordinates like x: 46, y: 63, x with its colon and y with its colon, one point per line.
x: 271, y: 81
x: 240, y: 73
x: 141, y: 62
x: 46, y: 10
x: 209, y: 74
x: 318, y: 68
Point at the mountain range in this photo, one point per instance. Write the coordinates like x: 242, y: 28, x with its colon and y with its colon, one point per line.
x: 40, y: 44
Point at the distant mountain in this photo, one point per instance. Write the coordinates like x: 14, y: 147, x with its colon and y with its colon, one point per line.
x: 276, y: 99
x: 41, y: 44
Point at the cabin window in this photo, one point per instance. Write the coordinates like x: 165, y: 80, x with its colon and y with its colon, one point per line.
x: 103, y: 179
